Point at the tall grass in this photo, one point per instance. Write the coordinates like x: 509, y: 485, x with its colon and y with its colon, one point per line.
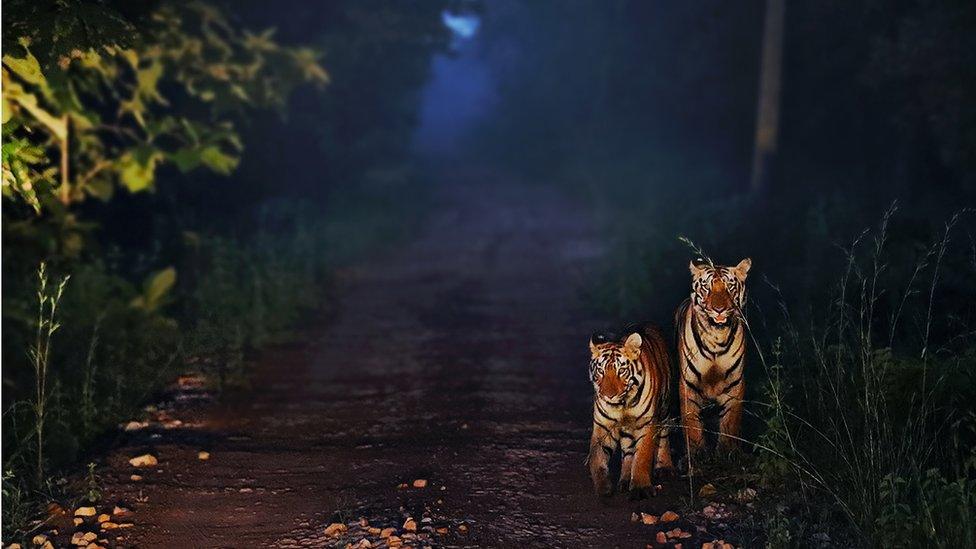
x: 863, y: 406
x: 48, y: 299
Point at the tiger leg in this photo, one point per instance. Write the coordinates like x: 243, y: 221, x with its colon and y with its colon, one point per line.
x: 662, y: 462
x: 691, y: 405
x: 627, y: 448
x: 730, y: 422
x: 640, y: 477
x: 602, y: 444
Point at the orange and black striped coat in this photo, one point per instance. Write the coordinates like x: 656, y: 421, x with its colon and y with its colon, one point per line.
x: 711, y: 346
x: 631, y: 382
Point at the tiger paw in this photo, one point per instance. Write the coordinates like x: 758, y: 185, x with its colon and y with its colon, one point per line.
x: 642, y: 492
x: 665, y: 472
x: 603, y: 487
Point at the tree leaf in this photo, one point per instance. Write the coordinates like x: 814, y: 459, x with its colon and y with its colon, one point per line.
x: 215, y: 159
x: 137, y: 168
x: 155, y: 289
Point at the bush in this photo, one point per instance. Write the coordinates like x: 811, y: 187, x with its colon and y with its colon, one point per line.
x: 873, y: 421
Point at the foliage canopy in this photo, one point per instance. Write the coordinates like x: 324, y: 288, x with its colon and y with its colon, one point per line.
x: 96, y: 98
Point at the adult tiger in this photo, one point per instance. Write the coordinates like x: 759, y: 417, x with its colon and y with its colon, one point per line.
x: 631, y: 381
x: 711, y: 343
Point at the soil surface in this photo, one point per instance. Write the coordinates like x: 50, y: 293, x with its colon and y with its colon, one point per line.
x: 459, y: 358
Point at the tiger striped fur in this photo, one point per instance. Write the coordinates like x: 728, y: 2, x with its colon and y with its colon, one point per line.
x: 631, y: 381
x: 711, y: 350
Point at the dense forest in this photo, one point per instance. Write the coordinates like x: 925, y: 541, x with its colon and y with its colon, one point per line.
x: 182, y: 180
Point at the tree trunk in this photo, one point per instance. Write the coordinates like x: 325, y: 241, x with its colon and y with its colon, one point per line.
x: 767, y: 118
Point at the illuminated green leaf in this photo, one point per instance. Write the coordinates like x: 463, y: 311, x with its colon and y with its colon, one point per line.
x: 137, y: 168
x: 218, y: 161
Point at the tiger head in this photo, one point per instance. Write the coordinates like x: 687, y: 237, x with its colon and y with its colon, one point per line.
x: 719, y: 292
x: 614, y: 368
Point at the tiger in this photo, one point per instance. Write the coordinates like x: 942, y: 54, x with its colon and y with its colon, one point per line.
x: 711, y: 346
x: 631, y: 384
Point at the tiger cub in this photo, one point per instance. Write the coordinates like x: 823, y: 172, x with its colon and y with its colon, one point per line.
x: 631, y: 380
x: 711, y: 343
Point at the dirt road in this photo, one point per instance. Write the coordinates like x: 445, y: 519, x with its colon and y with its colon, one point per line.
x: 459, y: 358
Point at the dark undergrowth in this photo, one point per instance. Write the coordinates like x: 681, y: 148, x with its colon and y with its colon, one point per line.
x: 98, y: 337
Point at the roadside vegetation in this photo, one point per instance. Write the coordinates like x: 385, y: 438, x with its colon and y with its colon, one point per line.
x: 170, y: 204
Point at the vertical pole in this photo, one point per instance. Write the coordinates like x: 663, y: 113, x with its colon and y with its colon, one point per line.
x: 767, y: 117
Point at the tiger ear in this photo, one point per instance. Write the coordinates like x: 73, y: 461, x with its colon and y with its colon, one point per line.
x: 742, y: 269
x: 593, y: 348
x: 634, y: 342
x: 696, y: 268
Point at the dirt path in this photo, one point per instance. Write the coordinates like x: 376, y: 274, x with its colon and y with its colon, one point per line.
x: 459, y: 358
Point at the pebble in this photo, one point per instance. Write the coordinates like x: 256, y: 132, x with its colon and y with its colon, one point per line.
x: 661, y: 538
x: 648, y: 519
x: 85, y: 512
x: 410, y: 525
x: 135, y: 425
x: 420, y: 483
x: 387, y: 532
x: 335, y: 529
x: 39, y: 539
x: 83, y: 538
x: 463, y: 528
x: 78, y: 521
x: 677, y: 533
x: 103, y: 518
x: 203, y: 455
x: 145, y: 460
x: 746, y: 495
x: 669, y: 516
x: 109, y: 525
x: 707, y: 490
x: 135, y: 478
x: 715, y: 511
